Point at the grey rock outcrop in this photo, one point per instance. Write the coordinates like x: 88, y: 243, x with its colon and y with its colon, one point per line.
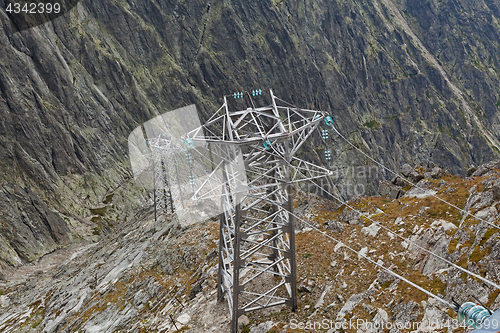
x: 406, y: 312
x: 390, y: 190
x: 29, y: 228
x: 406, y: 170
x: 434, y: 173
x: 486, y: 168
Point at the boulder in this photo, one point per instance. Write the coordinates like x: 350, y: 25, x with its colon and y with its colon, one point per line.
x: 422, y: 191
x: 486, y: 168
x: 398, y: 181
x: 350, y: 305
x: 415, y: 177
x: 362, y: 253
x: 350, y: 216
x: 384, y: 277
x: 406, y: 312
x: 184, y: 319
x: 435, y: 173
x: 263, y: 327
x: 442, y: 183
x: 388, y: 189
x: 243, y: 321
x: 335, y: 226
x: 195, y: 289
x: 371, y: 230
x: 423, y: 210
x: 4, y: 301
x: 406, y: 170
x: 470, y: 171
x: 447, y: 226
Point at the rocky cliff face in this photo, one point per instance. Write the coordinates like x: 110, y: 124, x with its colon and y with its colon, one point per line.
x: 407, y: 81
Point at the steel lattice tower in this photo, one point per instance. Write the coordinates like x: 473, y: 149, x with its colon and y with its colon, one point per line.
x: 163, y: 161
x: 257, y: 266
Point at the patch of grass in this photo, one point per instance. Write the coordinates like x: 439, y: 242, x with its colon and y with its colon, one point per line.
x: 438, y: 210
x: 487, y: 236
x: 453, y: 245
x: 492, y: 297
x: 96, y: 231
x: 437, y: 286
x: 108, y: 198
x: 101, y: 211
x: 372, y: 124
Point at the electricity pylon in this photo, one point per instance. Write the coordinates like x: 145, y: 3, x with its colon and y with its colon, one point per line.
x: 257, y: 266
x: 163, y: 152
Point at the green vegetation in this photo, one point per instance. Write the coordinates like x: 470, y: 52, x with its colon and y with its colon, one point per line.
x: 96, y: 231
x: 372, y: 124
x: 108, y: 198
x: 487, y: 236
x: 99, y: 211
x: 386, y: 284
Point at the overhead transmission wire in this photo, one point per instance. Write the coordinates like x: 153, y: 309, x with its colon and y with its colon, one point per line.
x: 362, y: 255
x: 404, y: 178
x: 402, y: 237
x: 415, y: 185
x: 343, y: 202
x: 408, y: 240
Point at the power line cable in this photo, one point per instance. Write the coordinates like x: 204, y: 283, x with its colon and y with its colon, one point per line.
x: 413, y: 184
x: 370, y: 260
x: 362, y: 255
x: 404, y: 238
x: 409, y: 241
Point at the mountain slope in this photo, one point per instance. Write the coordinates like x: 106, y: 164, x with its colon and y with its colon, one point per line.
x: 157, y: 277
x: 73, y: 89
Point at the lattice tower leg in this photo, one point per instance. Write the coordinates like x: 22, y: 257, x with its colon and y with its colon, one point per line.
x: 257, y: 237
